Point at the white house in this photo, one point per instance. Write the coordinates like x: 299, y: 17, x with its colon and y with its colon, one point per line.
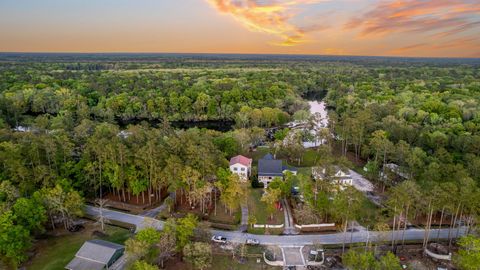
x: 242, y: 166
x: 339, y: 176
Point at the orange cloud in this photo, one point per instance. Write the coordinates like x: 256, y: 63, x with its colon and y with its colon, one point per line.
x: 437, y: 16
x: 269, y: 16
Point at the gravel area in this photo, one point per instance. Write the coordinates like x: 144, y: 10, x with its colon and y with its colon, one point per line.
x: 360, y: 183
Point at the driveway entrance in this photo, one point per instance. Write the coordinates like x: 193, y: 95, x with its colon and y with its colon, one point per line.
x: 292, y: 256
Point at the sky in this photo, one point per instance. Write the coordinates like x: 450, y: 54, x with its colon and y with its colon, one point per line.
x: 420, y: 28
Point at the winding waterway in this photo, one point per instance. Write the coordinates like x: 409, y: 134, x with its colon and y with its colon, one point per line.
x: 320, y: 115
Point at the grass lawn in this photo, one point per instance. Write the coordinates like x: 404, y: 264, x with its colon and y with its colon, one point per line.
x: 259, y: 209
x: 307, y: 171
x: 56, y: 251
x: 310, y: 157
x: 258, y: 153
x: 225, y: 217
x: 227, y: 263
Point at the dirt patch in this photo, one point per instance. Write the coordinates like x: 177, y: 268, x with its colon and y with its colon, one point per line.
x: 422, y: 264
x: 222, y: 215
x: 134, y: 203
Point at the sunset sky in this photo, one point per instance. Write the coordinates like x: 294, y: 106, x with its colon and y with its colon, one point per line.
x: 428, y: 28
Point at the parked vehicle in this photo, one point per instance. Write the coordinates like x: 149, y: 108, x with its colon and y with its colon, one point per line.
x: 219, y: 239
x: 316, y: 255
x: 252, y: 241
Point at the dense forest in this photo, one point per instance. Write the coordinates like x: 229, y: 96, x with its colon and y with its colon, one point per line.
x: 75, y: 127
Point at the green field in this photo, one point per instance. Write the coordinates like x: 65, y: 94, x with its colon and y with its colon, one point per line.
x: 226, y: 263
x: 259, y: 209
x: 55, y: 252
x: 309, y: 159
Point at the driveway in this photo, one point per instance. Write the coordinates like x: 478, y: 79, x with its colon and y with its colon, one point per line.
x: 292, y: 256
x: 244, y: 223
x: 289, y: 224
x: 360, y: 183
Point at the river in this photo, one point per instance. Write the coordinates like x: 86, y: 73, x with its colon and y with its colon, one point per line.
x: 318, y: 110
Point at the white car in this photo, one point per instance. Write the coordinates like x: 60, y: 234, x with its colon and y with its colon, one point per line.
x: 252, y: 241
x: 219, y: 239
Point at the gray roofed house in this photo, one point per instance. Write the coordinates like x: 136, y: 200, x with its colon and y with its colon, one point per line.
x: 269, y: 168
x: 96, y: 255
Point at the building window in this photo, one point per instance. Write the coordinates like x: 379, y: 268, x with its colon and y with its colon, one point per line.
x: 242, y: 169
x: 235, y: 168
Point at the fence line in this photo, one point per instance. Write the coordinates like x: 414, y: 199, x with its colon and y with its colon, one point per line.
x: 315, y: 225
x: 268, y: 226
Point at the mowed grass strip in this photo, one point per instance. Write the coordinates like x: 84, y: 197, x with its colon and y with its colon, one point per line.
x: 260, y: 210
x: 225, y: 262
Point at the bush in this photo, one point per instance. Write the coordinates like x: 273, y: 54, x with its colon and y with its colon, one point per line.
x: 256, y: 183
x: 164, y: 214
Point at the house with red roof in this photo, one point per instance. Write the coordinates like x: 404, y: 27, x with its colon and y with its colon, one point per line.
x: 242, y: 166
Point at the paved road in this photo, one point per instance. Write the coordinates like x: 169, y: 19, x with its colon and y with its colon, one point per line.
x: 281, y: 240
x: 155, y: 211
x: 139, y: 221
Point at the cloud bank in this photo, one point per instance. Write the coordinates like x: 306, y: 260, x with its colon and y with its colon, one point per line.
x: 270, y: 16
x: 441, y: 17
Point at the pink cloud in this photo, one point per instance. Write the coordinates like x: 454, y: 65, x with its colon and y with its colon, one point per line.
x: 269, y: 16
x: 447, y: 16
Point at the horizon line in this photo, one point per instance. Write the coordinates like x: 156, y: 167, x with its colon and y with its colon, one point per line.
x: 246, y: 54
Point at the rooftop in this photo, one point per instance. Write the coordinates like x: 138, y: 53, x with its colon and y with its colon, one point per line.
x: 93, y: 255
x: 267, y: 166
x: 241, y: 160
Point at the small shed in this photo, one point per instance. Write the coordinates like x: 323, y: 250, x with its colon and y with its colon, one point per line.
x: 96, y: 255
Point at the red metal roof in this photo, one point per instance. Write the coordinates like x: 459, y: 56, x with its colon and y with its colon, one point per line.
x: 241, y: 159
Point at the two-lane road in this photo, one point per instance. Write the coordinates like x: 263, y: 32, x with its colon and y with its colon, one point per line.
x: 282, y: 240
